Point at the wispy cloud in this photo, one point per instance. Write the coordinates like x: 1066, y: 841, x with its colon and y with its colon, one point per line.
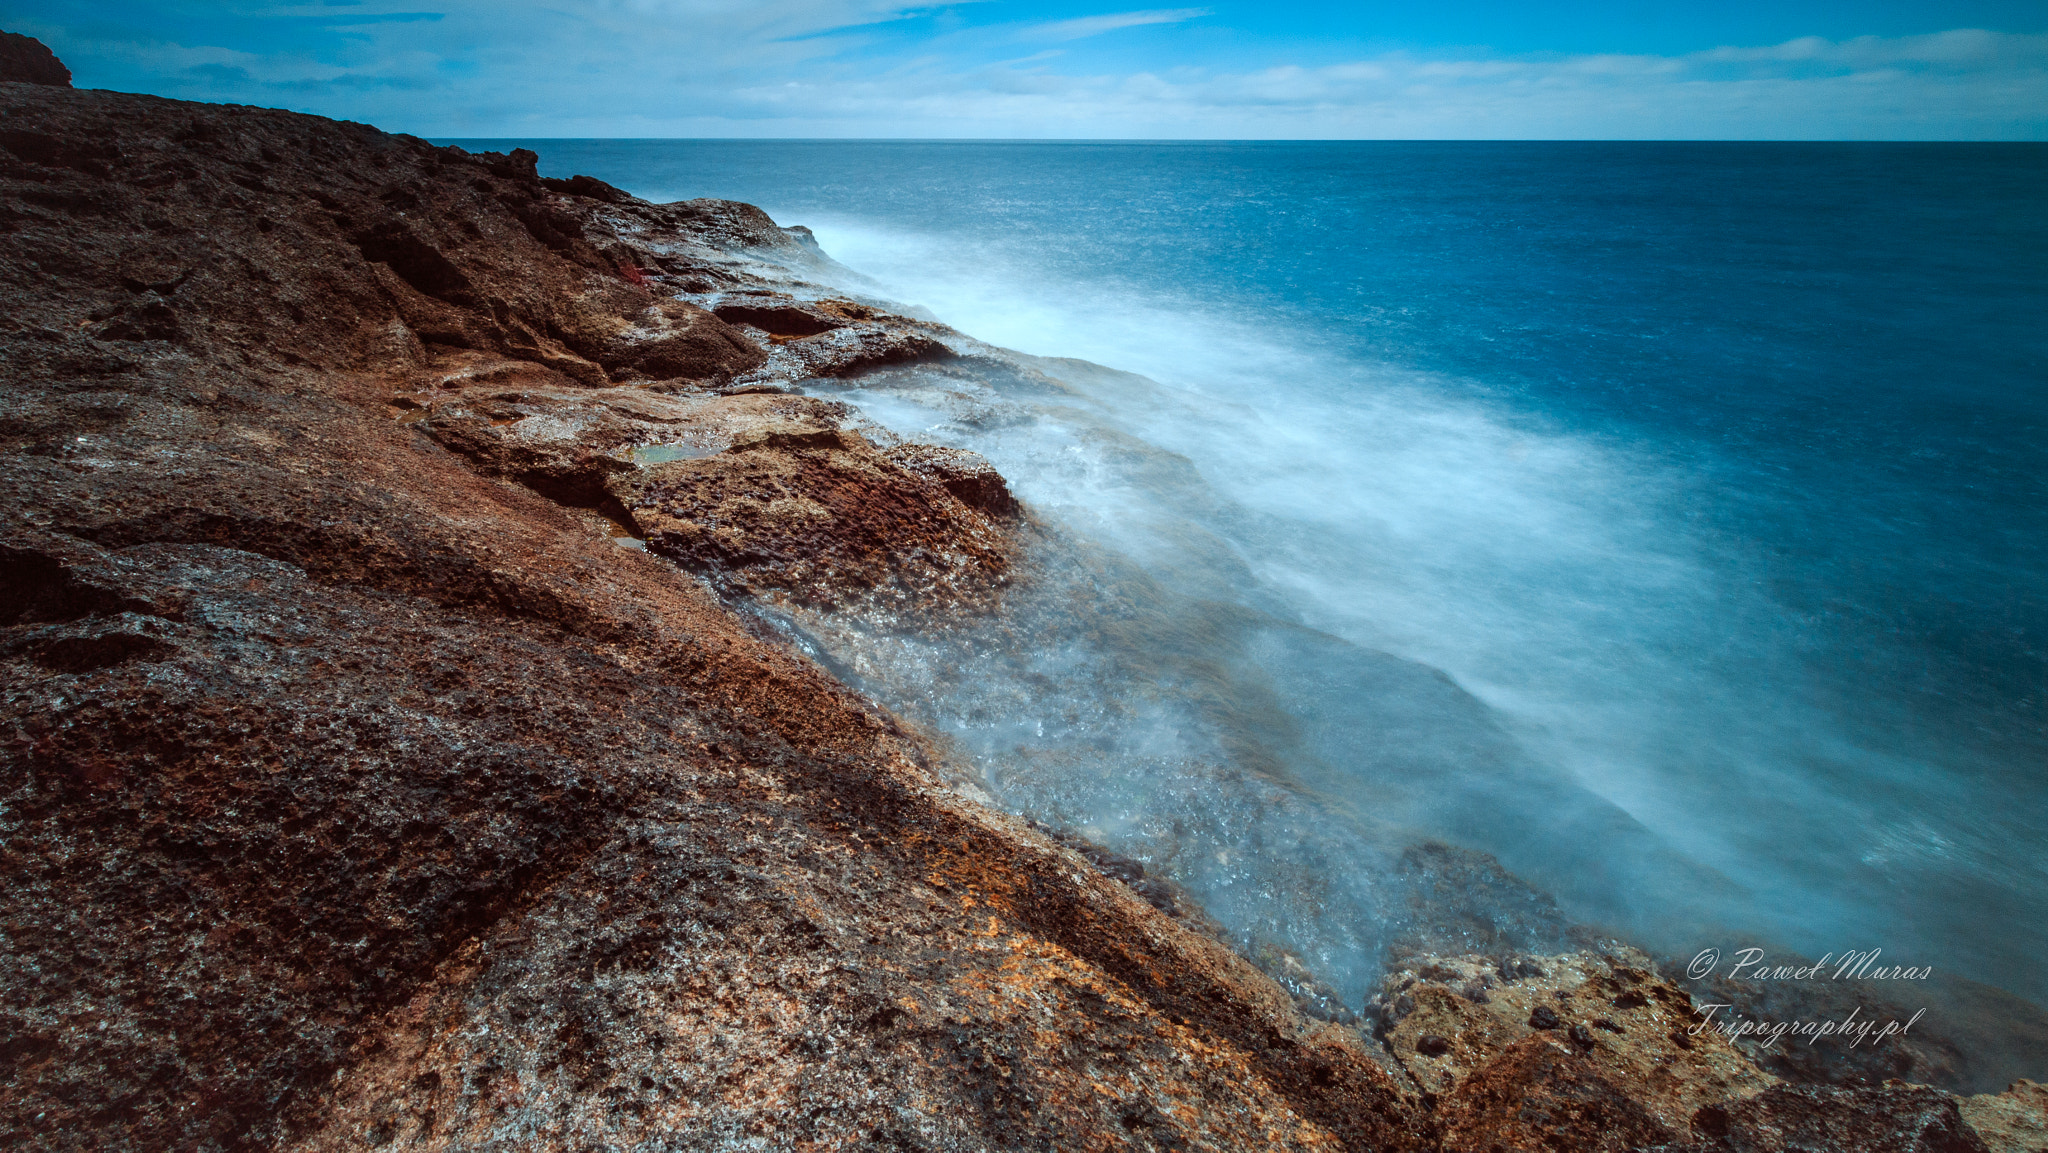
x: 1085, y: 26
x: 766, y: 68
x: 1960, y: 85
x: 1965, y: 84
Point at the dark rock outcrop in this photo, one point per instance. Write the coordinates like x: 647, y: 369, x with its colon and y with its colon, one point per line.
x: 1897, y: 1118
x: 676, y: 340
x: 779, y: 319
x: 27, y: 60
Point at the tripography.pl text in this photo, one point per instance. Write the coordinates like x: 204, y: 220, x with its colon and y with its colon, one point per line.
x: 1768, y: 1033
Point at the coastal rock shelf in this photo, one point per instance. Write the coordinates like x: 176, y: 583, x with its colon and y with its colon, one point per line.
x: 361, y: 790
x: 358, y: 792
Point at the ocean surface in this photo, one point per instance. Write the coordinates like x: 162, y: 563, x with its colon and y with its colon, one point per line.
x: 1715, y: 474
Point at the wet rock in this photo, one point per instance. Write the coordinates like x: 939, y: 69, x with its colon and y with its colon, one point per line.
x: 439, y: 818
x: 1897, y: 1118
x: 1154, y: 891
x: 1628, y: 1032
x: 1465, y: 902
x: 588, y: 186
x: 1923, y: 1054
x: 820, y: 514
x: 2015, y: 1121
x: 675, y: 340
x: 967, y: 475
x: 1312, y: 995
x: 852, y: 349
x: 1539, y: 1095
x: 780, y: 319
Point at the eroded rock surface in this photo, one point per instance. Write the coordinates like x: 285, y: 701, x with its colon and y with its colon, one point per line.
x: 357, y: 791
x: 1470, y: 1029
x: 822, y: 514
x: 360, y: 791
x: 2015, y: 1121
x: 1594, y: 1050
x: 1897, y: 1118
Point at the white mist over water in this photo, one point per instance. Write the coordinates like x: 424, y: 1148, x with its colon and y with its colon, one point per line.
x: 1558, y: 577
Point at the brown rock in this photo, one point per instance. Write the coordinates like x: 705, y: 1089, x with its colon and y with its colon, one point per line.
x: 350, y: 793
x: 1467, y: 1036
x: 588, y: 186
x: 674, y: 340
x: 27, y: 60
x: 821, y: 514
x: 1897, y: 1118
x: 382, y: 244
x: 1312, y: 995
x: 1922, y: 1055
x: 967, y: 475
x: 518, y: 420
x: 1636, y: 1031
x: 1539, y: 1095
x: 732, y: 226
x: 779, y: 318
x: 2015, y: 1121
x: 854, y: 349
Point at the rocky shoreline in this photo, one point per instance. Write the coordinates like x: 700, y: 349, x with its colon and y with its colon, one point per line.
x: 415, y: 735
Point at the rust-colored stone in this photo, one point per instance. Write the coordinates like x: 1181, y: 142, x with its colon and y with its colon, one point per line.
x: 1539, y: 1094
x: 358, y: 791
x: 1633, y: 1031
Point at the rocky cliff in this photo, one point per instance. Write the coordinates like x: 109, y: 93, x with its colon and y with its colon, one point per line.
x: 394, y: 755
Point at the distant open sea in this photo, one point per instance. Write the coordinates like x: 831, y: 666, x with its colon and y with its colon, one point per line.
x: 1718, y: 472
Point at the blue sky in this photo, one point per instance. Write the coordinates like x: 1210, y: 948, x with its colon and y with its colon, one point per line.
x: 1817, y: 69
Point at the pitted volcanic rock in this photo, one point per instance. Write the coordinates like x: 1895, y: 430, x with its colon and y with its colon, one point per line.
x: 360, y: 792
x: 822, y: 514
x: 356, y: 790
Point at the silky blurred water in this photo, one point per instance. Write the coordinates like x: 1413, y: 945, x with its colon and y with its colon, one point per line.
x: 1715, y: 472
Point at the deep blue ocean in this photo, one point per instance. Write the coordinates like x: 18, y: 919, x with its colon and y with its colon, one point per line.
x: 1718, y: 471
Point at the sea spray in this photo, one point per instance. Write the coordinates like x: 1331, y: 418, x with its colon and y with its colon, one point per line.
x: 1697, y: 478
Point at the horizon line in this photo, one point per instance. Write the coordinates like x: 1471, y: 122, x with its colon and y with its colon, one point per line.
x: 1239, y: 139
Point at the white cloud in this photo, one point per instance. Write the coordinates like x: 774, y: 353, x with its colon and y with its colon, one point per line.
x: 854, y: 68
x: 1085, y: 26
x: 1962, y: 47
x: 1956, y: 85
